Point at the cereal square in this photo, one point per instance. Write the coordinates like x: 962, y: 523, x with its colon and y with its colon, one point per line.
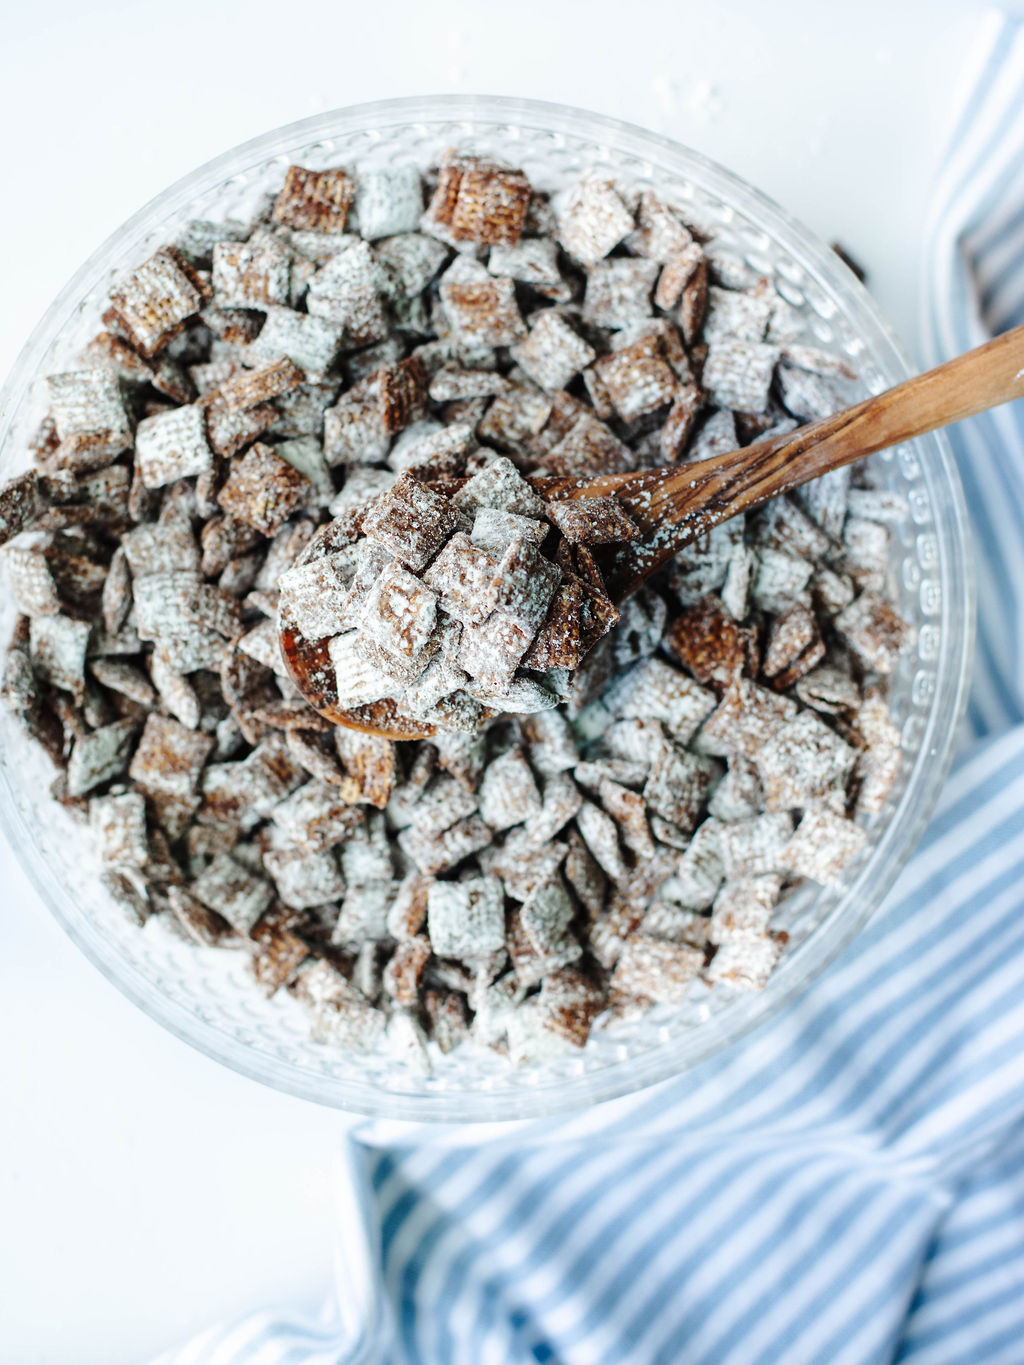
x: 252, y: 274
x: 803, y: 762
x: 508, y: 792
x: 400, y: 612
x: 172, y: 445
x: 873, y: 630
x: 738, y: 374
x: 315, y: 201
x: 592, y: 219
x: 553, y: 352
x: 464, y: 577
x: 263, y: 490
x: 389, y: 201
x: 154, y: 301
x: 823, y: 844
x: 481, y: 309
x: 233, y: 893
x: 466, y: 920
x: 92, y: 422
x: 619, y: 292
x: 592, y: 521
x: 411, y: 521
x: 349, y: 290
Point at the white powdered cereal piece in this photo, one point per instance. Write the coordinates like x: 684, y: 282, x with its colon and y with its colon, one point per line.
x: 304, y: 880
x: 546, y: 915
x: 57, y: 646
x: 481, y: 309
x: 172, y: 445
x: 657, y: 970
x: 349, y: 290
x: 807, y: 396
x: 501, y: 486
x: 738, y: 796
x: 743, y: 908
x: 399, y: 612
x: 494, y: 531
x: 700, y: 870
x: 466, y: 920
x: 550, y: 743
x: 519, y: 697
x: 779, y: 579
x: 98, y: 756
x: 619, y: 292
x: 744, y: 963
x: 358, y: 681
x: 560, y: 801
x: 118, y: 824
x: 508, y: 792
x: 734, y: 313
x: 592, y: 219
x: 879, y: 763
x: 389, y: 201
x: 464, y: 576
x: 654, y: 690
x: 755, y: 846
x: 32, y: 583
x: 363, y: 914
x: 411, y: 260
x: 803, y: 762
x: 677, y: 785
x: 553, y: 352
x: 717, y: 436
x: 738, y: 374
x: 354, y: 430
x: 873, y: 630
x: 251, y: 274
x: 229, y: 889
x: 443, y: 803
x: 602, y: 839
x: 823, y: 844
x: 88, y: 411
x: 311, y: 342
x: 534, y: 260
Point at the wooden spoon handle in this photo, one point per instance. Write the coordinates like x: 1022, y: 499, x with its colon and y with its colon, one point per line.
x: 972, y: 383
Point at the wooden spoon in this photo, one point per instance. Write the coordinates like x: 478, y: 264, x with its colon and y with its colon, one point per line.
x: 675, y: 505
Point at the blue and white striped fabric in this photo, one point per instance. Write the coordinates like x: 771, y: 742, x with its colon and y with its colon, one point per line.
x: 866, y: 1205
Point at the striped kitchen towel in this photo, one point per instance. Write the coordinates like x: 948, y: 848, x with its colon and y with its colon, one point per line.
x: 845, y: 1185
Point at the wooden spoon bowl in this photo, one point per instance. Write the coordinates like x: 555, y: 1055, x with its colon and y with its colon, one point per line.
x: 675, y: 505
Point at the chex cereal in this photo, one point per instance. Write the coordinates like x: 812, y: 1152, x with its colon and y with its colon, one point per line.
x: 331, y: 419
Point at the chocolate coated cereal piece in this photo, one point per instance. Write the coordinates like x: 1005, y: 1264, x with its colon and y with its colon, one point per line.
x: 154, y: 301
x: 659, y: 971
x: 479, y: 201
x: 90, y: 417
x: 481, y: 309
x: 873, y: 630
x: 592, y: 521
x: 553, y: 352
x: 20, y: 502
x: 411, y: 522
x: 172, y: 445
x: 262, y: 489
x: 317, y: 201
x: 252, y: 274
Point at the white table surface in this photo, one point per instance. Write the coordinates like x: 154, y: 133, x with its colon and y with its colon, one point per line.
x: 144, y: 1190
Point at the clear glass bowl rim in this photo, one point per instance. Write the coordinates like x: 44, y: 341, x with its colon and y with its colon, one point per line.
x: 955, y: 567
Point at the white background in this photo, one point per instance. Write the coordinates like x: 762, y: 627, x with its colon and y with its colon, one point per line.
x: 145, y: 1191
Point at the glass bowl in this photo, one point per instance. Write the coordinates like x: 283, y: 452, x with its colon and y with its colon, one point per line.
x: 206, y: 996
